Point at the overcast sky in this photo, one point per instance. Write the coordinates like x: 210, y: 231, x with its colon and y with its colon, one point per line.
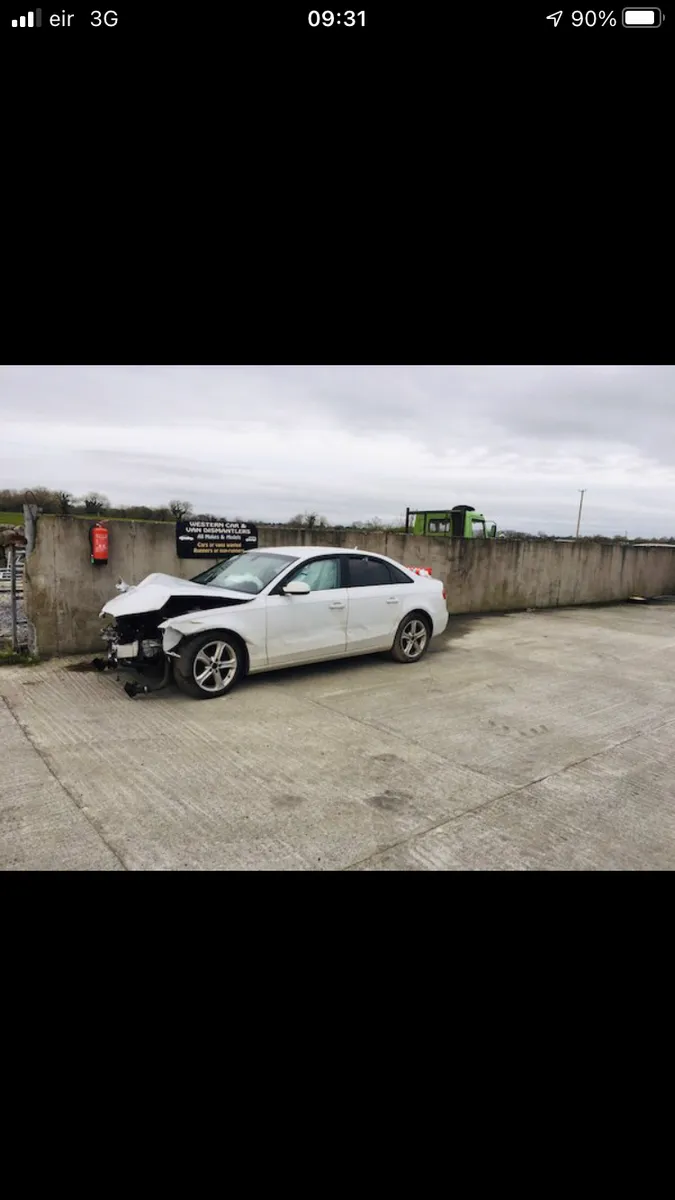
x: 354, y: 442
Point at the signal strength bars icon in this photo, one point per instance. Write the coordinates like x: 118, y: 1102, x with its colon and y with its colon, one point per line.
x: 33, y: 20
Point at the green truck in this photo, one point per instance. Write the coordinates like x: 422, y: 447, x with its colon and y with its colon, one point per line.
x: 461, y: 521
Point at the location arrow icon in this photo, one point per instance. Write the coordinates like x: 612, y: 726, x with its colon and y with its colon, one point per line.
x: 555, y: 17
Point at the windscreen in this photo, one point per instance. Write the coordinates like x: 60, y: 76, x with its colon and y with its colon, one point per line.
x: 250, y: 572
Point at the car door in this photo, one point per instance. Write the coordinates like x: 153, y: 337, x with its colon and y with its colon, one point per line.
x: 312, y: 627
x: 377, y: 595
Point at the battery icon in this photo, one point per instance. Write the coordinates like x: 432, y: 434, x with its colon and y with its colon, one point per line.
x: 641, y: 18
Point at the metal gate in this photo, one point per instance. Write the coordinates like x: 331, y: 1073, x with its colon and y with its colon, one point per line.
x: 19, y: 557
x: 11, y: 580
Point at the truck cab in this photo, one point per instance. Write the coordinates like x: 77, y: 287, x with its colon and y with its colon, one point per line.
x: 461, y: 521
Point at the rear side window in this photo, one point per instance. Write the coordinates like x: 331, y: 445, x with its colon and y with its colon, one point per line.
x: 398, y: 576
x: 369, y: 572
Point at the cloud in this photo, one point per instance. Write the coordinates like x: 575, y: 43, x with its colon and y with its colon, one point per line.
x: 354, y: 441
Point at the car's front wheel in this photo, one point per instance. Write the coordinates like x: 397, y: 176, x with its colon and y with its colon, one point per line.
x: 412, y: 638
x: 209, y: 665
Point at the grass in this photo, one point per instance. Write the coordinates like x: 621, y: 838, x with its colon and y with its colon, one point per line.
x: 16, y: 518
x: 17, y: 658
x: 92, y: 517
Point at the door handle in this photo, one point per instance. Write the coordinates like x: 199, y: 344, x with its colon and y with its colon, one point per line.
x: 392, y: 600
x: 337, y: 604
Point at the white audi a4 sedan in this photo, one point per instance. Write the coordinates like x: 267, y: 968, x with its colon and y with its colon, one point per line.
x: 266, y: 609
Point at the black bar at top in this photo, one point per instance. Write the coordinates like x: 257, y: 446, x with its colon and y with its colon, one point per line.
x: 417, y: 33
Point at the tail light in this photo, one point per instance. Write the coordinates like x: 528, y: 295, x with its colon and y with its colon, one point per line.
x: 445, y: 594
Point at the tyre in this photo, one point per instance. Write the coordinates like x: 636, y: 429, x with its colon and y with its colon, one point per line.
x: 412, y: 638
x: 209, y: 665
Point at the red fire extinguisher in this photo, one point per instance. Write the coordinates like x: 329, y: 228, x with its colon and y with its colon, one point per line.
x: 98, y: 536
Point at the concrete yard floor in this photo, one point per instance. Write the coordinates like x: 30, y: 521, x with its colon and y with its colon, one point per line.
x: 537, y: 740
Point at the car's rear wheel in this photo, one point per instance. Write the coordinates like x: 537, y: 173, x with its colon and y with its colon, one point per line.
x: 209, y: 665
x: 412, y: 638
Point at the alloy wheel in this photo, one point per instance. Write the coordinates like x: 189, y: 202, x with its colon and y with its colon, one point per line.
x: 414, y: 637
x: 214, y: 666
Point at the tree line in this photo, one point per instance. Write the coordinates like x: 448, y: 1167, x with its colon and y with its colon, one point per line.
x: 95, y: 504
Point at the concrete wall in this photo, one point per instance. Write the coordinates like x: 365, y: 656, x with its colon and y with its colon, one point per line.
x: 64, y: 593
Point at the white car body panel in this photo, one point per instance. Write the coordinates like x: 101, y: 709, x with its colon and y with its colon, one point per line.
x: 306, y: 628
x: 374, y: 616
x: 252, y: 628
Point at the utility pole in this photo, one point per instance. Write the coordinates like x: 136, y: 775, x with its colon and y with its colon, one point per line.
x: 581, y: 505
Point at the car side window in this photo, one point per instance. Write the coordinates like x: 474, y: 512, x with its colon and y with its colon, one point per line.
x: 320, y: 576
x: 366, y: 572
x: 398, y: 576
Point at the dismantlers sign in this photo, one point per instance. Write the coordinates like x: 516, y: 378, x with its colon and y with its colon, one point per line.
x: 213, y: 539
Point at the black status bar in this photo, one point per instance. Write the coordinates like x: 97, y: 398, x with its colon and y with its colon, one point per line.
x: 432, y: 24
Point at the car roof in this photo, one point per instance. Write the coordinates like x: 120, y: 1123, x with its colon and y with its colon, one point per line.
x: 310, y: 551
x: 302, y: 552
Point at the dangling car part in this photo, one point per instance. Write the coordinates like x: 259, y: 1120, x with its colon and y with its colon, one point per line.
x: 266, y: 609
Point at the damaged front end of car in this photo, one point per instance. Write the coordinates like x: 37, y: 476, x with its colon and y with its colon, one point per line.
x: 136, y: 640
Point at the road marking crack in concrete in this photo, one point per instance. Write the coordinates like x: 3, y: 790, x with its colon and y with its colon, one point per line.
x: 73, y: 799
x: 407, y: 739
x: 420, y: 833
x: 480, y: 808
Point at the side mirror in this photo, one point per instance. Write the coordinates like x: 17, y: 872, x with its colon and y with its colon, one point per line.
x: 296, y: 588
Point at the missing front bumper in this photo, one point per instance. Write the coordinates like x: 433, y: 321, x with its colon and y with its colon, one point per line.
x: 143, y: 657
